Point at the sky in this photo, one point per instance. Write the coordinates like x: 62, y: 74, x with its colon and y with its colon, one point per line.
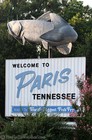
x: 87, y: 2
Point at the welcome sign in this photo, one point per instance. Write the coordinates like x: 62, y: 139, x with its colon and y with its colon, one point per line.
x: 32, y: 83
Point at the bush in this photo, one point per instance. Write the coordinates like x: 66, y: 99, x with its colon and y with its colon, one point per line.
x: 84, y: 111
x: 38, y: 126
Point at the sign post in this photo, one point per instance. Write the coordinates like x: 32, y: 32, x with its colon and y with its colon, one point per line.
x: 49, y: 51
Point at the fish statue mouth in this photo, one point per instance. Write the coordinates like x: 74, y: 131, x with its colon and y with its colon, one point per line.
x: 48, y: 29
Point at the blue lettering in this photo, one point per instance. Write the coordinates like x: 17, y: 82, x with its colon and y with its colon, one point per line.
x: 55, y: 77
x: 46, y: 79
x: 39, y: 82
x: 64, y: 78
x: 36, y: 83
x: 22, y: 78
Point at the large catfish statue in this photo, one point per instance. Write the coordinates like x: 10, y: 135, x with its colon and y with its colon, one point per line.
x: 49, y: 30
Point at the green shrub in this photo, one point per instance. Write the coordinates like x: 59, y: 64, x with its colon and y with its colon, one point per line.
x: 84, y: 111
x: 38, y: 126
x: 2, y: 123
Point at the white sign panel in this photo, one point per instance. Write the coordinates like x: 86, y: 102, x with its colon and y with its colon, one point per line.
x: 31, y: 83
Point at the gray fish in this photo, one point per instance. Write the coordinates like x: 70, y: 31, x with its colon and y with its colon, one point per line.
x: 48, y: 29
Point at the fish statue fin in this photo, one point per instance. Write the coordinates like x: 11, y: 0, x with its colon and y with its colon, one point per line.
x: 45, y: 16
x: 45, y: 44
x: 52, y: 17
x: 65, y: 49
x: 23, y: 40
x: 57, y: 20
x: 53, y: 36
